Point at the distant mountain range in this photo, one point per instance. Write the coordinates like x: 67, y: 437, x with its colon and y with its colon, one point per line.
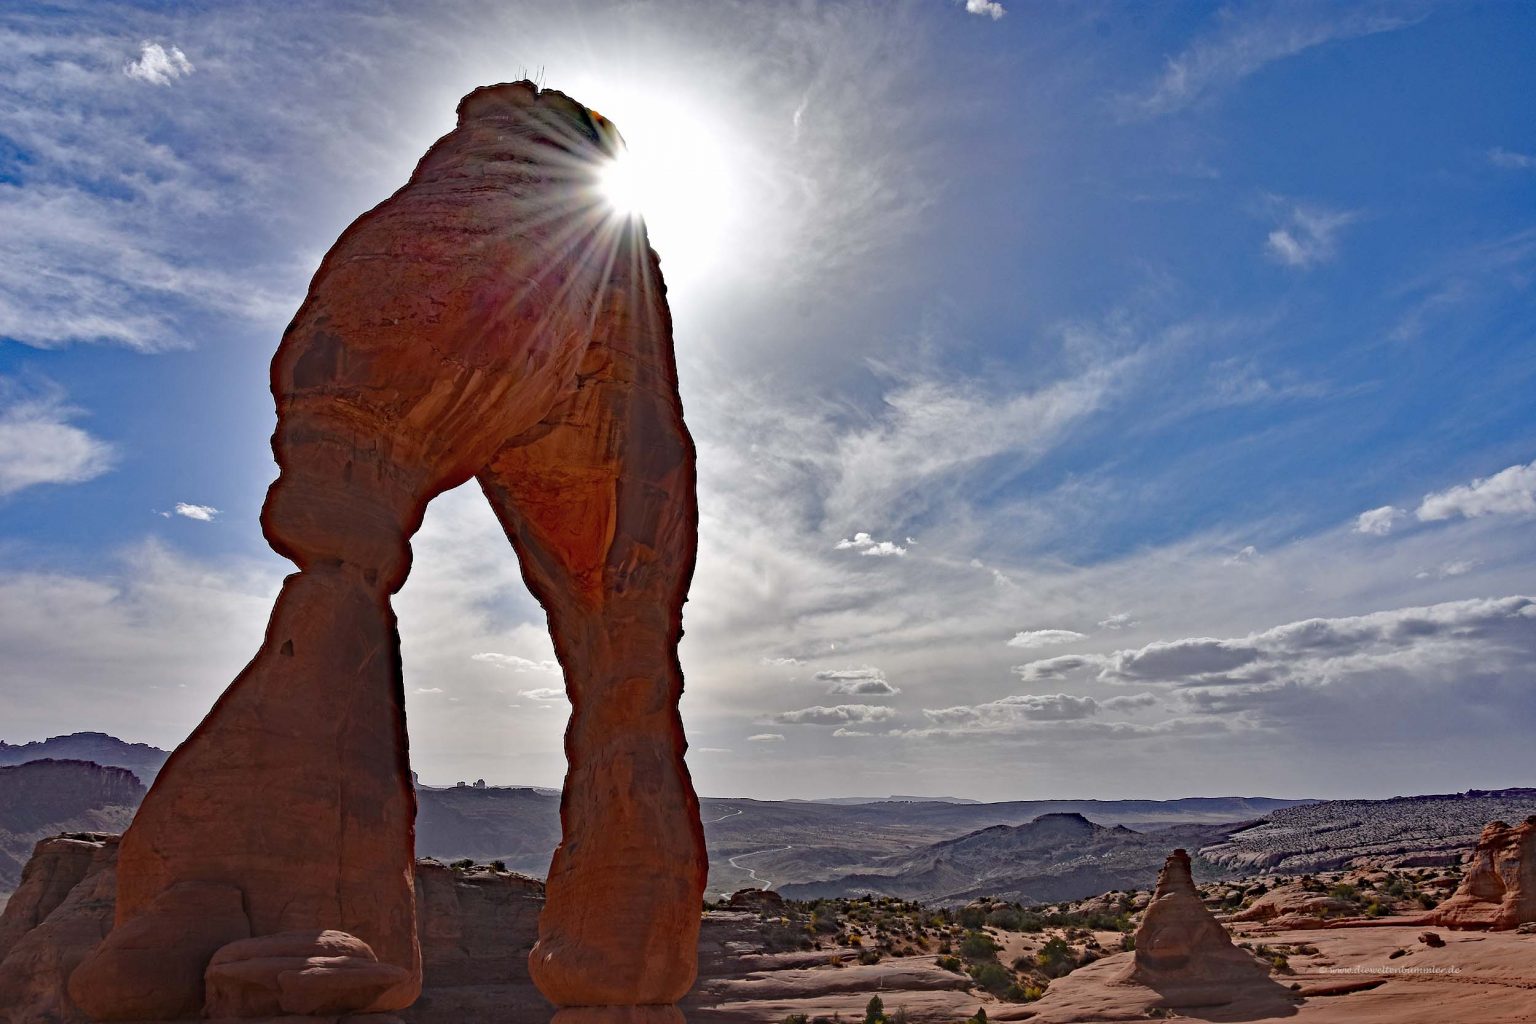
x: 1055, y: 857
x: 43, y: 798
x: 930, y: 849
x: 142, y: 759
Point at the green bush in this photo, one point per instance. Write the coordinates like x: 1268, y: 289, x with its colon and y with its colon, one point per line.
x: 993, y: 977
x: 978, y: 946
x: 874, y: 1011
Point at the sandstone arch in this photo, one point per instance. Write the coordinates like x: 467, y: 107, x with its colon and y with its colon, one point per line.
x: 489, y: 320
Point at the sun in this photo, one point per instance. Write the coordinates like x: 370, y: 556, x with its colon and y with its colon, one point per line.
x: 675, y: 172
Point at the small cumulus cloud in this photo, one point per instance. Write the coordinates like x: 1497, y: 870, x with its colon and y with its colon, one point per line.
x: 1056, y: 668
x: 1510, y: 492
x: 39, y: 445
x: 515, y: 663
x: 866, y: 681
x: 841, y: 714
x: 158, y: 65
x: 1501, y: 157
x: 766, y: 737
x: 1307, y: 236
x: 202, y: 513
x: 1447, y: 569
x: 846, y: 732
x: 543, y: 694
x: 1378, y: 522
x: 428, y: 689
x: 985, y: 8
x: 864, y: 544
x: 1030, y: 639
x: 1119, y: 620
x: 782, y: 662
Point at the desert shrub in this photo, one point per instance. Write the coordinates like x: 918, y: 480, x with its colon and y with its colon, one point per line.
x: 869, y: 956
x: 1376, y: 910
x: 951, y: 963
x: 978, y: 946
x: 973, y: 917
x: 1006, y: 918
x: 900, y: 1016
x: 993, y: 977
x: 1344, y: 891
x: 462, y: 865
x: 1055, y: 957
x: 1128, y: 941
x: 797, y: 1018
x: 874, y: 1011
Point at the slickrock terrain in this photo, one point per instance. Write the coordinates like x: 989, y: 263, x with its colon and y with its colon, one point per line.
x: 40, y: 799
x: 1498, y: 885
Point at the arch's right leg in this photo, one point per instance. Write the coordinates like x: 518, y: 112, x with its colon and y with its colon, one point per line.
x: 599, y: 503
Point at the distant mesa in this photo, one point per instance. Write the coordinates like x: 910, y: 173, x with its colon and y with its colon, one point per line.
x: 142, y: 759
x: 1498, y: 886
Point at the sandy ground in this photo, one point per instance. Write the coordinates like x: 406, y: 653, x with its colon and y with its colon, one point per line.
x: 1476, y: 978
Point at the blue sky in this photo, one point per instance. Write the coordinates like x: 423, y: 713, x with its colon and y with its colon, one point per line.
x: 1103, y: 325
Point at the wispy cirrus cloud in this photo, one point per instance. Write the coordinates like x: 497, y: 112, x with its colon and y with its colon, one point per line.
x: 38, y: 442
x: 1307, y: 235
x: 1249, y: 38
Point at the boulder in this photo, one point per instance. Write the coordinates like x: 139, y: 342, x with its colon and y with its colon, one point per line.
x: 306, y: 972
x: 57, y: 865
x: 1498, y: 885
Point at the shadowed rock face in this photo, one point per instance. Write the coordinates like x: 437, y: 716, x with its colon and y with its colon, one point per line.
x: 491, y: 320
x: 1498, y: 888
x: 1182, y: 951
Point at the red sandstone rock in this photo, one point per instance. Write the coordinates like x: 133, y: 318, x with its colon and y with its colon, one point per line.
x: 35, y: 970
x: 492, y: 319
x: 1498, y: 886
x: 296, y: 973
x: 154, y: 969
x: 56, y: 866
x: 1182, y: 951
x: 476, y: 926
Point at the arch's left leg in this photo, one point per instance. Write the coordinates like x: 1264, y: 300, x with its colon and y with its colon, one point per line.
x: 599, y: 503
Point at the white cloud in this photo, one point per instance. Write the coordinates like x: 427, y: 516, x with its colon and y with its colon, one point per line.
x: 1129, y: 700
x: 543, y: 694
x: 1056, y: 668
x: 202, y: 513
x: 1379, y: 521
x: 766, y: 737
x: 781, y: 662
x: 1509, y: 492
x: 158, y: 66
x: 1322, y: 652
x: 1501, y: 157
x: 1307, y: 236
x: 38, y: 445
x: 1245, y: 555
x: 428, y: 689
x: 1008, y: 711
x: 1119, y: 620
x: 1246, y: 42
x: 864, y: 544
x: 516, y: 663
x: 838, y: 715
x: 845, y: 732
x: 1031, y: 639
x: 986, y: 8
x: 866, y: 681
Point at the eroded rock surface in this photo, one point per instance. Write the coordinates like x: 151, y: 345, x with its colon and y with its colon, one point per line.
x: 492, y: 319
x: 1182, y: 951
x: 37, y: 961
x: 1498, y: 885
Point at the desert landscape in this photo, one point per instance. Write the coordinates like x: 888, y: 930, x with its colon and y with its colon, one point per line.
x: 833, y: 512
x: 1403, y: 909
